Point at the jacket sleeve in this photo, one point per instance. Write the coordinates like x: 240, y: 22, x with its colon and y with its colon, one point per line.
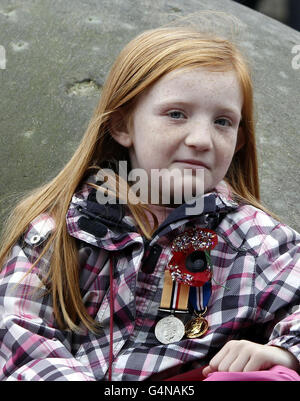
x: 31, y: 347
x: 278, y: 288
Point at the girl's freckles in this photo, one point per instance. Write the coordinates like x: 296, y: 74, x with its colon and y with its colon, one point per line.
x: 178, y: 119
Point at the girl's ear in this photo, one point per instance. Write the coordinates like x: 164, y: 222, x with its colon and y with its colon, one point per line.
x: 119, y: 129
x: 240, y: 139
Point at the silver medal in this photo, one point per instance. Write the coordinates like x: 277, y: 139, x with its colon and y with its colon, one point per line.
x: 169, y: 330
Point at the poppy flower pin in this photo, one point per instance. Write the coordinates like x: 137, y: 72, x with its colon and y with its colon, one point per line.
x: 190, y: 263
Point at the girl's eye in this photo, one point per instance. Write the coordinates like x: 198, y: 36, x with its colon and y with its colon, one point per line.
x: 224, y: 122
x: 176, y: 115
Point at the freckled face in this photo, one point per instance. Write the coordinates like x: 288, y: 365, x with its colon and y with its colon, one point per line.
x: 188, y: 120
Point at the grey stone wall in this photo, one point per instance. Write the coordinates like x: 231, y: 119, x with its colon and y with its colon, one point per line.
x: 54, y: 56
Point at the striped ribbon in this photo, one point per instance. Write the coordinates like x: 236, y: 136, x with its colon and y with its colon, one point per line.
x: 175, y: 295
x: 199, y: 296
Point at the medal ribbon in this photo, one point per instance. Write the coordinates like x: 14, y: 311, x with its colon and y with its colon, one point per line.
x: 175, y: 295
x: 199, y: 296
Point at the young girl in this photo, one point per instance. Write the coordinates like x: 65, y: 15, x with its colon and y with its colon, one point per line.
x: 136, y: 291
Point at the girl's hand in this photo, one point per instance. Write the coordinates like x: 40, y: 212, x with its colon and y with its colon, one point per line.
x: 245, y: 356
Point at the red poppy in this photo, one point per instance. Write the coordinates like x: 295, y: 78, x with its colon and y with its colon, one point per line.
x: 189, y: 263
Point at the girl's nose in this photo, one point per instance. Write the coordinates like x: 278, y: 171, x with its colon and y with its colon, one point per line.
x: 199, y: 136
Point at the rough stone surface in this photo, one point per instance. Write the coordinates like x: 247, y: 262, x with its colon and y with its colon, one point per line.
x: 55, y: 56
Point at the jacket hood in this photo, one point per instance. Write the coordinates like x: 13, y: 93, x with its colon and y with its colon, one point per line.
x: 112, y: 227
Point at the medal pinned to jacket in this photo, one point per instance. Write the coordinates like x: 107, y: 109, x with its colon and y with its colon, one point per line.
x: 187, y: 285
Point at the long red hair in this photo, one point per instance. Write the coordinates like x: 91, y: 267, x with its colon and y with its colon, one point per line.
x: 142, y: 62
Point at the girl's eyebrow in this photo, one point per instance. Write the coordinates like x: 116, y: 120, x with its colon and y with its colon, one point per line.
x: 234, y: 111
x: 171, y: 103
x: 179, y: 103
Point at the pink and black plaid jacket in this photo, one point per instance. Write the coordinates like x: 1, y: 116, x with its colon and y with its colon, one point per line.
x: 257, y: 258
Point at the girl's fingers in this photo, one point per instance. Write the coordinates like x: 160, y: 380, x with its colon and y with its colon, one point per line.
x: 246, y: 356
x: 262, y: 359
x: 233, y: 357
x: 252, y: 365
x: 222, y: 360
x: 206, y: 371
x: 240, y: 362
x: 215, y: 361
x: 230, y: 357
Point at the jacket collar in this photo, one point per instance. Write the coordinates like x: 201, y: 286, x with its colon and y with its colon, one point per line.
x: 111, y: 226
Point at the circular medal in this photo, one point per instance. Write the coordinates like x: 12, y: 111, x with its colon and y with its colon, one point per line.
x: 169, y: 330
x: 196, y: 327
